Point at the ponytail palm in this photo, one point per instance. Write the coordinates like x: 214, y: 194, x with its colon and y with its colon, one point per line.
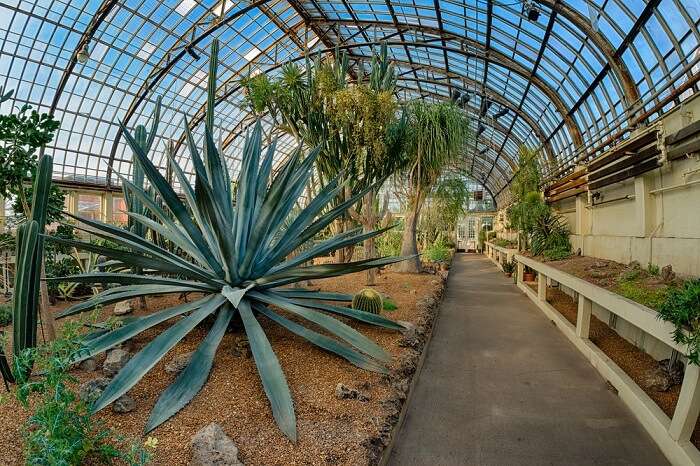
x: 238, y: 250
x: 437, y: 135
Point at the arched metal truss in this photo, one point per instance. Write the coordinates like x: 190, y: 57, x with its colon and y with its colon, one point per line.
x: 586, y: 69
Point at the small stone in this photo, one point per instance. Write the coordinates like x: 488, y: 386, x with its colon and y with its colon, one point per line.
x: 123, y: 308
x: 178, y: 363
x: 343, y: 392
x: 241, y: 348
x: 667, y: 274
x: 599, y: 265
x: 599, y: 274
x: 115, y: 361
x: 664, y: 376
x: 635, y: 265
x: 124, y: 404
x: 212, y: 447
x: 410, y: 339
x: 92, y: 389
x: 89, y: 365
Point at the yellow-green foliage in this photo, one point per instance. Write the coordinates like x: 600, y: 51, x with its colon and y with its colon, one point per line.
x: 368, y: 300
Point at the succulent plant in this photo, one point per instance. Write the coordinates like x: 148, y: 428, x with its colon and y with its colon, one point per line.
x: 368, y: 300
x: 238, y: 250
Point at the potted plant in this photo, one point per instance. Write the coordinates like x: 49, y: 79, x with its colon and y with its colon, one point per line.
x: 528, y: 274
x: 509, y: 268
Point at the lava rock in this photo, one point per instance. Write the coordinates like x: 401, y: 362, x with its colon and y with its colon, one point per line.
x: 410, y: 339
x: 212, y: 447
x: 343, y: 392
x: 600, y: 274
x: 92, y: 389
x: 89, y: 365
x: 599, y: 265
x: 123, y: 308
x: 124, y: 404
x: 115, y: 361
x: 635, y: 265
x: 667, y: 274
x: 178, y: 363
x: 241, y: 348
x: 664, y: 376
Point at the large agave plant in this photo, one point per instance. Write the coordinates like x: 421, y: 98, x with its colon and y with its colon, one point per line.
x: 238, y: 250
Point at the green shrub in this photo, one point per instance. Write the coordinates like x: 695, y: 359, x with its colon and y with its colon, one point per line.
x: 61, y: 431
x: 389, y: 243
x: 557, y: 253
x: 437, y: 252
x: 504, y: 243
x: 509, y: 267
x: 5, y: 314
x: 637, y: 292
x: 653, y: 269
x: 389, y: 305
x: 682, y: 308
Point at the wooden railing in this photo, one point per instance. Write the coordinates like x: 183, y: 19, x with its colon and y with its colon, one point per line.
x: 671, y: 435
x: 499, y: 254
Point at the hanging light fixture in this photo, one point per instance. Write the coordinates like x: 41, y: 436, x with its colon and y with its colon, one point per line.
x: 533, y: 14
x: 83, y: 53
x: 500, y: 113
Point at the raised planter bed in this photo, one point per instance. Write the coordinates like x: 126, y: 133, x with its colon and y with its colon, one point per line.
x: 671, y: 433
x: 499, y: 254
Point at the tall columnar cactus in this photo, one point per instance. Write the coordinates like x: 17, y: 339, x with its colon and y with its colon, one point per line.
x: 368, y: 300
x: 30, y: 251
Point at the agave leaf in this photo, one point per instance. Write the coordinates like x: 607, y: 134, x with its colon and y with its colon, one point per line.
x: 326, y: 247
x: 166, y: 191
x: 301, y: 293
x: 296, y: 274
x: 120, y: 294
x: 191, y: 380
x: 132, y: 328
x: 363, y: 316
x: 131, y: 279
x: 327, y: 322
x: 271, y: 375
x: 149, y: 356
x: 360, y: 360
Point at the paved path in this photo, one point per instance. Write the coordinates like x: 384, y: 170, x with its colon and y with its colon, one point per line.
x: 502, y: 386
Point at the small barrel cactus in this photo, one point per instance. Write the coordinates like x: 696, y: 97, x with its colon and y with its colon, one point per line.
x: 368, y: 300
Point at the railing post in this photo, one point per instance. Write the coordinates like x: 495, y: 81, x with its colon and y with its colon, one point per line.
x: 541, y: 286
x: 583, y: 317
x: 520, y: 271
x: 688, y: 407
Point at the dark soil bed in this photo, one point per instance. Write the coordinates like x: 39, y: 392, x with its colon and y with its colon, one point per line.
x: 330, y: 430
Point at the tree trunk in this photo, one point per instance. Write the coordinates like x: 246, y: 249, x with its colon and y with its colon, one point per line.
x: 409, y: 246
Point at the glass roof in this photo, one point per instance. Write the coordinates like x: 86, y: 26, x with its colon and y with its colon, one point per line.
x: 561, y: 83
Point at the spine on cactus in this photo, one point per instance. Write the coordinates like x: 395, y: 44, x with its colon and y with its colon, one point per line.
x: 368, y: 300
x: 29, y: 254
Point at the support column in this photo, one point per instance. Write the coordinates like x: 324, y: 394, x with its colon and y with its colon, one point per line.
x: 643, y: 206
x: 541, y: 286
x: 108, y: 205
x: 686, y: 414
x: 520, y: 270
x: 583, y: 317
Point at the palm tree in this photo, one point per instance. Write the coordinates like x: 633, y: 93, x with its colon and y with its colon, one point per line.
x: 437, y: 134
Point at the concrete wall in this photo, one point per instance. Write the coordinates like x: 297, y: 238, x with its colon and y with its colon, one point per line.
x: 649, y: 222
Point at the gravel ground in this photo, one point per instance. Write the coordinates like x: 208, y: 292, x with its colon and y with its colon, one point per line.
x: 330, y: 431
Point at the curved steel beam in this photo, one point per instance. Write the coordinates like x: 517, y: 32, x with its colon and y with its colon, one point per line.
x: 617, y: 65
x: 181, y: 48
x: 229, y: 88
x: 102, y: 12
x: 472, y: 110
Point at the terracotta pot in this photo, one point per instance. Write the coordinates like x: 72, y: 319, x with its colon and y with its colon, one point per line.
x: 528, y: 277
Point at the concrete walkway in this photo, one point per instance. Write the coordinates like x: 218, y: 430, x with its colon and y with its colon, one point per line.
x: 502, y: 386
